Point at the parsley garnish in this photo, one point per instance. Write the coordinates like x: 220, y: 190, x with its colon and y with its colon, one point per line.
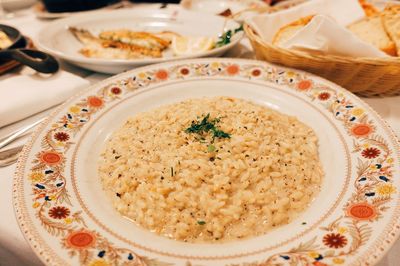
x: 221, y: 134
x: 201, y: 222
x: 207, y: 125
x: 239, y: 29
x: 225, y: 38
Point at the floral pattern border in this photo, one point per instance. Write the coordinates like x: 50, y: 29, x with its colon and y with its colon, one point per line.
x: 337, y: 241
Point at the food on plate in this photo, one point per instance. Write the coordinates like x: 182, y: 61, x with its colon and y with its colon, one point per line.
x: 371, y: 30
x: 182, y: 45
x: 391, y: 23
x: 144, y: 39
x: 286, y: 32
x: 5, y: 41
x: 127, y: 44
x: 121, y: 44
x: 211, y: 169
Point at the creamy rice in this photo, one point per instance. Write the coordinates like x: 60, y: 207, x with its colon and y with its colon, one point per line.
x: 191, y: 188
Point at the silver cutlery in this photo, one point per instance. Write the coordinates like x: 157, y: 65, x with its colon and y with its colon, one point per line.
x: 9, y: 156
x: 18, y: 133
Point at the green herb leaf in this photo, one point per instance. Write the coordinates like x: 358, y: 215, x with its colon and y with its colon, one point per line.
x: 239, y: 29
x: 201, y: 222
x: 206, y: 125
x: 211, y: 148
x: 225, y: 38
x: 221, y: 134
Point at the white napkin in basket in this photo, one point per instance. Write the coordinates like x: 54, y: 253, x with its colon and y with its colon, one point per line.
x: 325, y: 33
x: 25, y: 94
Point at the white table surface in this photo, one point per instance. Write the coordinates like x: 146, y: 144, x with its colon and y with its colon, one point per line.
x: 14, y: 249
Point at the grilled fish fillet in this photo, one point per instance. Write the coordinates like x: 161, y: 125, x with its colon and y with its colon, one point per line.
x: 121, y: 44
x: 143, y: 39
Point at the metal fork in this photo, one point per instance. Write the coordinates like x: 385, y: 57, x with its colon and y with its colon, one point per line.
x: 10, y: 156
x: 18, y: 133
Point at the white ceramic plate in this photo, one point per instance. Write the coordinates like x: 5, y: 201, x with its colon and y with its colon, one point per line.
x: 242, y: 8
x: 68, y: 220
x: 58, y: 41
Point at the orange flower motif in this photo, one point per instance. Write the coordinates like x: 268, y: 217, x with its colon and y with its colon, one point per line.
x: 338, y: 260
x: 361, y: 211
x: 61, y: 136
x: 50, y: 157
x: 94, y: 101
x: 334, y: 240
x: 232, y: 69
x: 256, y: 72
x: 59, y: 212
x: 370, y: 153
x: 162, y: 74
x: 42, y: 195
x: 184, y: 71
x: 324, y: 96
x: 304, y: 85
x: 318, y: 263
x: 81, y: 239
x: 361, y: 130
x: 116, y: 90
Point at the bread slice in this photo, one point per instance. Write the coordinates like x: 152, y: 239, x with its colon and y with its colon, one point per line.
x: 391, y: 24
x: 287, y: 31
x: 370, y: 30
x: 369, y: 9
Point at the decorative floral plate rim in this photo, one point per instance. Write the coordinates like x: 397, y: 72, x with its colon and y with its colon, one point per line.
x: 83, y: 242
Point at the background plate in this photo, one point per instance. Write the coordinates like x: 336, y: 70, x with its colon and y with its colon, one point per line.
x: 58, y: 41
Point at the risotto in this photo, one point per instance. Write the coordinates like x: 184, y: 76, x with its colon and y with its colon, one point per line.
x: 211, y: 169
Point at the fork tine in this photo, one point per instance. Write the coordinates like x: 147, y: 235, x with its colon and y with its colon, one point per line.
x: 19, y: 132
x: 9, y: 156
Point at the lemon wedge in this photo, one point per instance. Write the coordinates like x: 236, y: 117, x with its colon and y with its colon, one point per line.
x: 182, y: 45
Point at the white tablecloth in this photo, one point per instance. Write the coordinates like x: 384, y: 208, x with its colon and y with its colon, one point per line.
x: 14, y: 249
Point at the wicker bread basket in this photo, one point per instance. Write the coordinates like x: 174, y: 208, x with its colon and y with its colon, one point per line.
x: 363, y: 76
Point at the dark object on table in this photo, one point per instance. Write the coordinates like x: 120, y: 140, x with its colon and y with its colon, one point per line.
x: 273, y: 2
x: 17, y: 51
x: 7, y: 65
x: 13, y: 35
x: 57, y: 6
x: 226, y: 13
x: 157, y: 1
